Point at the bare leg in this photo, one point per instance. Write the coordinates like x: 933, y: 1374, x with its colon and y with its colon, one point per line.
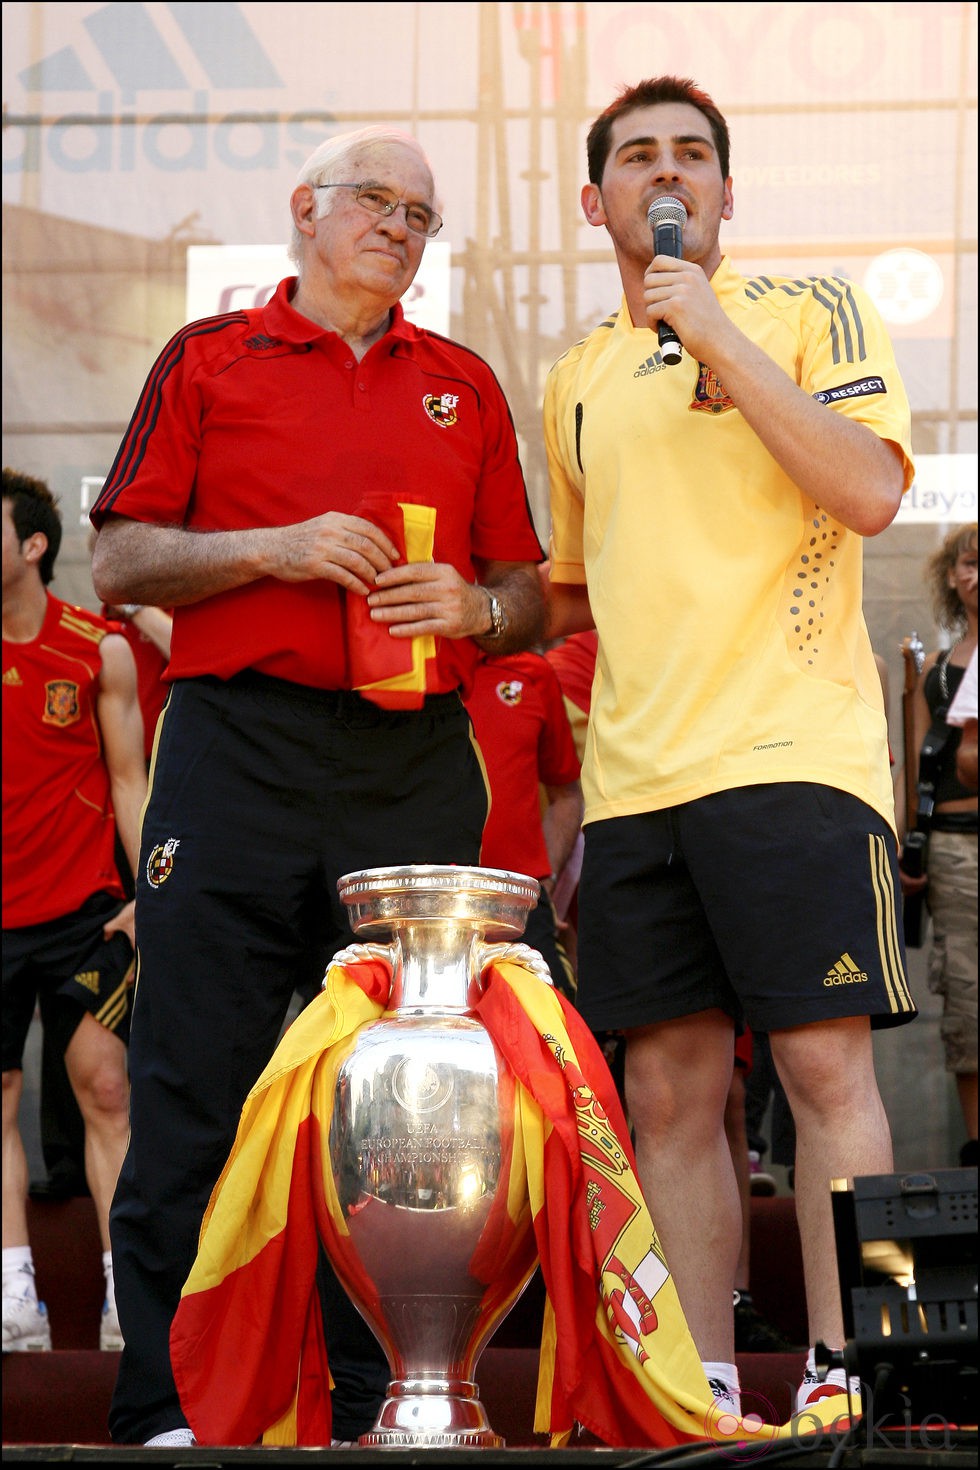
x: 14, y: 1163
x: 96, y: 1062
x: 25, y: 1323
x: 677, y: 1078
x: 827, y: 1069
x: 738, y: 1144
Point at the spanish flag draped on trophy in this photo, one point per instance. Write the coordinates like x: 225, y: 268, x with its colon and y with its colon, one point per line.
x: 247, y: 1342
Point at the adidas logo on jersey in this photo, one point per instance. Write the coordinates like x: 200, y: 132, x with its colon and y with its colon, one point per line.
x: 654, y: 364
x: 12, y: 678
x: 89, y: 979
x: 845, y: 972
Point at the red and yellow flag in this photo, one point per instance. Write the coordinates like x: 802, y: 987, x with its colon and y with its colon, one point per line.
x: 247, y: 1343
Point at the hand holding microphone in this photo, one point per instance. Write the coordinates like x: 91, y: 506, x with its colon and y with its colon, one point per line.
x: 666, y: 217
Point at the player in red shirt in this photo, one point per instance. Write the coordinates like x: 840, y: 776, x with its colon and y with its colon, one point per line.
x: 73, y: 768
x: 526, y: 741
x: 147, y: 631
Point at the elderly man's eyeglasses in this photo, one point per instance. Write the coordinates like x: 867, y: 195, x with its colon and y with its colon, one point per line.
x: 419, y: 217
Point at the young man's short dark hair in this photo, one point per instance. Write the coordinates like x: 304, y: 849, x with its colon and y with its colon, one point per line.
x: 648, y: 94
x: 33, y: 508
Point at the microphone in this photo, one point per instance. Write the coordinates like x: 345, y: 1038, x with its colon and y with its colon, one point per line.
x: 666, y: 217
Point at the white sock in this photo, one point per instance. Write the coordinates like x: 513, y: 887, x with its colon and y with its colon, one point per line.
x: 18, y: 1272
x: 723, y: 1382
x: 110, y: 1287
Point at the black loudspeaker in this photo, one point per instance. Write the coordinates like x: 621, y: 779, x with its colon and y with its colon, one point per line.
x: 907, y: 1262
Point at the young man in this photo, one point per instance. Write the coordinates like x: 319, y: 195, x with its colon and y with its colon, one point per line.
x: 73, y: 772
x: 740, y: 852
x: 331, y: 501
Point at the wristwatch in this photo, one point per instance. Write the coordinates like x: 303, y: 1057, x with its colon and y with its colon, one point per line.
x: 498, y: 620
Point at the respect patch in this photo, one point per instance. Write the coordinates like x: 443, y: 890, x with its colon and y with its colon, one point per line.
x: 858, y: 389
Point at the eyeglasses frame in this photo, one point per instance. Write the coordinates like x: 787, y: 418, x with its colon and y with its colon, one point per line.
x: 387, y: 213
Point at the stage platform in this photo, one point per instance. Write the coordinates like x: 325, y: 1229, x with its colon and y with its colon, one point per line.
x: 870, y: 1452
x: 64, y: 1395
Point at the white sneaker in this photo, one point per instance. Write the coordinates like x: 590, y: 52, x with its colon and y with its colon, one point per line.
x: 110, y: 1336
x: 174, y: 1437
x: 727, y: 1401
x: 26, y: 1328
x: 835, y: 1382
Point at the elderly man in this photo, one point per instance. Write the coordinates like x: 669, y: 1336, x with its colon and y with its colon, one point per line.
x: 331, y: 500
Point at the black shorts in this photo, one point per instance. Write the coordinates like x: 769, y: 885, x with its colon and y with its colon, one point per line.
x: 776, y: 903
x: 65, y: 967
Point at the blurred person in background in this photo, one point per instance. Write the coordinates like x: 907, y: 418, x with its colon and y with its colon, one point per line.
x: 73, y: 777
x: 948, y: 812
x: 147, y: 630
x: 963, y: 714
x: 533, y: 769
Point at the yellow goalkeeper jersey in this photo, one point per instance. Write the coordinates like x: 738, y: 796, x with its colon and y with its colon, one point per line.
x: 732, y: 643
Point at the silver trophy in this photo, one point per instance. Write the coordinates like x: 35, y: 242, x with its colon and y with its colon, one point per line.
x: 422, y: 1121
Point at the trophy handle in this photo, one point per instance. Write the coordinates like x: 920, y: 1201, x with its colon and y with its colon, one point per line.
x: 354, y: 953
x: 518, y: 954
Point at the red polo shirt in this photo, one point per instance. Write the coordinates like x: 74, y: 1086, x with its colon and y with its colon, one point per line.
x: 59, y: 830
x: 262, y: 418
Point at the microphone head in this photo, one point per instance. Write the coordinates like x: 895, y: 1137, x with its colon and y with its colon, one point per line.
x: 666, y: 211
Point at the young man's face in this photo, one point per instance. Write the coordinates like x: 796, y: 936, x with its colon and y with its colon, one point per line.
x: 664, y: 149
x: 12, y: 556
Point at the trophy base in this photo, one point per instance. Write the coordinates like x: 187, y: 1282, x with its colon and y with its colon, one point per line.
x: 427, y: 1415
x: 416, y: 1439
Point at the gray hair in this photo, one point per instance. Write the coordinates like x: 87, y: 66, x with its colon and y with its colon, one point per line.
x: 330, y: 161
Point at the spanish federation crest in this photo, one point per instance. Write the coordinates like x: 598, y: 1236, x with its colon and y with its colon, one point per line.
x: 709, y: 395
x: 510, y: 691
x: 160, y: 863
x: 441, y: 408
x: 61, y: 705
